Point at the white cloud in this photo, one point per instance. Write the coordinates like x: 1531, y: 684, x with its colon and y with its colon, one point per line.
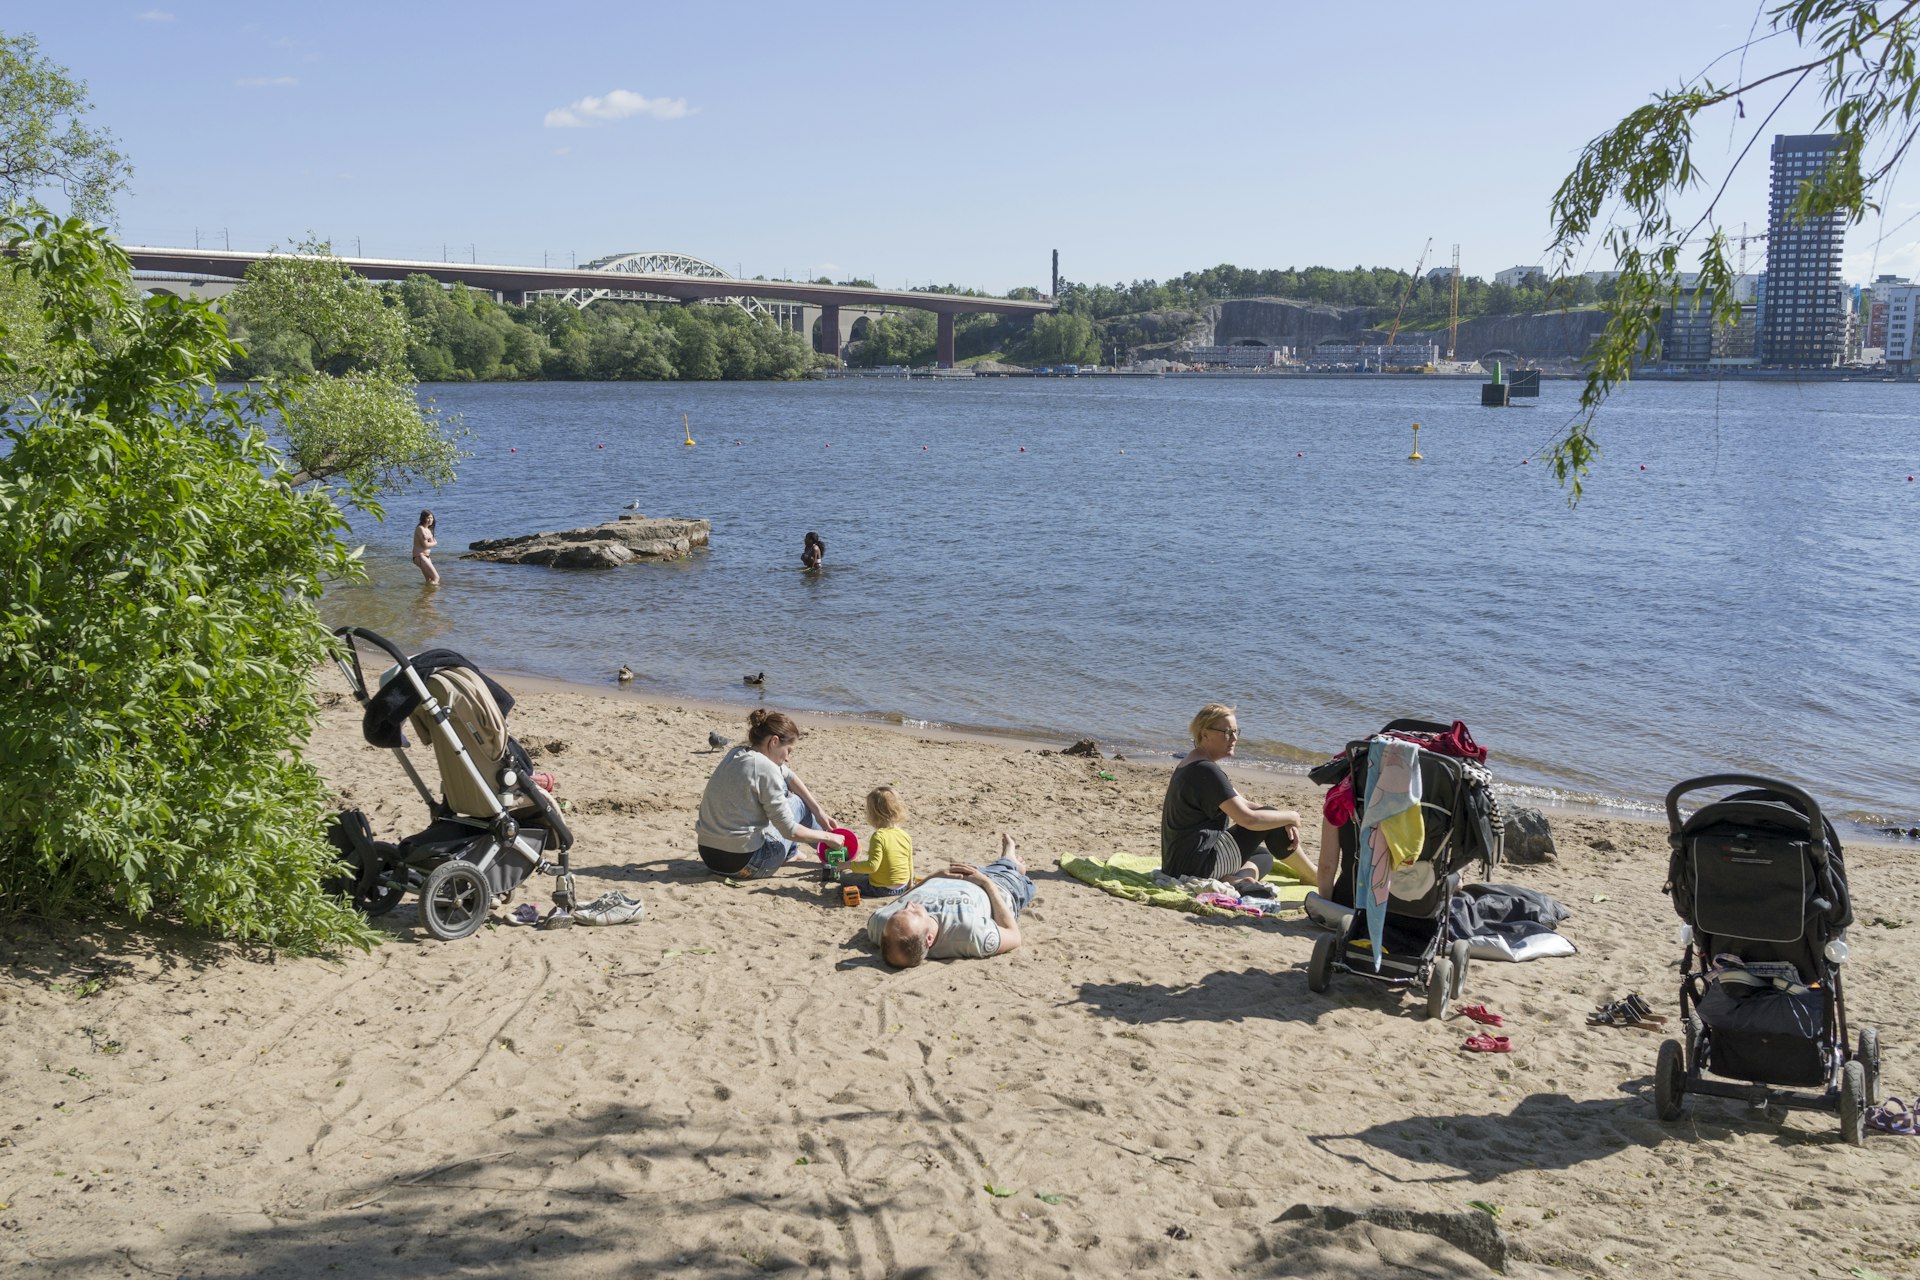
x: 266, y: 82
x: 155, y: 15
x: 617, y: 105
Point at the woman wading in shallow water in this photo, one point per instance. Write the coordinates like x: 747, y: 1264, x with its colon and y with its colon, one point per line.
x: 423, y: 544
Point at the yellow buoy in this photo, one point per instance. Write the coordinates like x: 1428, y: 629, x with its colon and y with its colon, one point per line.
x: 1415, y: 455
x: 688, y: 426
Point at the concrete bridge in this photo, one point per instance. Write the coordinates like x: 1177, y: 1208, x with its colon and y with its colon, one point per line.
x: 514, y: 284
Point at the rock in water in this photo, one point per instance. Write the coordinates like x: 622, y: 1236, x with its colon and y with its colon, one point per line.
x: 1529, y: 838
x: 603, y: 546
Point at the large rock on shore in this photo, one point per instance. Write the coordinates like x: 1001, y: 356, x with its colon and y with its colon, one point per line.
x: 603, y: 546
x: 1529, y: 837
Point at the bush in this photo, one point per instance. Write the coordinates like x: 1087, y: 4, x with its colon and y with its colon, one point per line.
x: 159, y: 580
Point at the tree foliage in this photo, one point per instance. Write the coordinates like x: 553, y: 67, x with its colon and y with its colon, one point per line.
x: 458, y: 334
x: 1864, y: 69
x: 44, y: 141
x: 159, y: 580
x: 351, y: 408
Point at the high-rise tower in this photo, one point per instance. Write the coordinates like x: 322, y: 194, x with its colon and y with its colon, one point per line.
x: 1803, y: 321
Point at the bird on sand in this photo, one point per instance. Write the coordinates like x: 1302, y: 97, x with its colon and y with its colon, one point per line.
x: 715, y: 741
x: 625, y: 674
x: 759, y: 679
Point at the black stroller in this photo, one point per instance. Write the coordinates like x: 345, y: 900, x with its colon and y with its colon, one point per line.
x: 1417, y: 947
x: 1760, y: 881
x: 491, y: 827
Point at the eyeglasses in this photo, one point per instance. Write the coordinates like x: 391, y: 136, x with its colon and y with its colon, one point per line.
x: 1231, y: 733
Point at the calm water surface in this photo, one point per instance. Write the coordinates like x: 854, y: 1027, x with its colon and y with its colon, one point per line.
x: 1745, y: 601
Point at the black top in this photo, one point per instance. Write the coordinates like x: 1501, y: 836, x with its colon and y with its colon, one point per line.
x: 1194, y: 796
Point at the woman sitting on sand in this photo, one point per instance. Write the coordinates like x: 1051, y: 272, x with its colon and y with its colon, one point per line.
x: 1208, y: 830
x: 755, y: 812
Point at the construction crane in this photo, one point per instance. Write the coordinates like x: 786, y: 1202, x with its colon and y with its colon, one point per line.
x: 1453, y: 314
x: 1408, y: 292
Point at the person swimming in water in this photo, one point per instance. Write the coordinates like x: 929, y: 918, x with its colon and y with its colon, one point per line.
x: 814, y: 552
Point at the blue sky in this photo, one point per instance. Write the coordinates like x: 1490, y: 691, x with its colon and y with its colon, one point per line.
x: 904, y: 143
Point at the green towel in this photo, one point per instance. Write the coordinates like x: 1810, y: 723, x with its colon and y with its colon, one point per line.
x: 1130, y: 875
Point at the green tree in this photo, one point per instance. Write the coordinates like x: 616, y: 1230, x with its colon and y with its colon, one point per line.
x: 362, y: 418
x: 44, y: 141
x: 159, y: 588
x: 1864, y: 65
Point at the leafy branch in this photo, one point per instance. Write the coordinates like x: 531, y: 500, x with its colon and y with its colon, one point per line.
x: 1866, y: 68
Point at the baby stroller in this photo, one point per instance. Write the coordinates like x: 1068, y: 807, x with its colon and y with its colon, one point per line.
x: 1417, y: 947
x: 1760, y: 881
x: 491, y: 827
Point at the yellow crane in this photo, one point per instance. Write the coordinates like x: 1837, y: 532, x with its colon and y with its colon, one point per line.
x: 1408, y: 292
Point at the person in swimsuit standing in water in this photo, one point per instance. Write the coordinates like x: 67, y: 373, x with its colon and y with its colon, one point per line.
x: 423, y: 544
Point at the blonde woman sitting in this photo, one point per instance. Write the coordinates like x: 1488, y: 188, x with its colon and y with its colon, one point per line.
x: 1207, y: 828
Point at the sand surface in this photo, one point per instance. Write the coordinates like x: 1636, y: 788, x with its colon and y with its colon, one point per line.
x: 736, y: 1086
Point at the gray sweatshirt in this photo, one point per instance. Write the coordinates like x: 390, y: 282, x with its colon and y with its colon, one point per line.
x: 745, y: 798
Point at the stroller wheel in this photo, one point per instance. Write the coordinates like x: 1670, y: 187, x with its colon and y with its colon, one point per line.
x: 1870, y: 1059
x: 1439, y: 988
x: 1458, y: 954
x: 454, y: 901
x: 1669, y: 1081
x: 1320, y: 968
x: 1853, y: 1103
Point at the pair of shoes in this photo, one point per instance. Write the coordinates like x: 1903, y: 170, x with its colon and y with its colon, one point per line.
x: 1483, y: 1015
x: 524, y: 914
x: 1893, y: 1116
x: 1630, y: 1012
x: 1481, y: 1042
x: 558, y: 918
x: 610, y: 908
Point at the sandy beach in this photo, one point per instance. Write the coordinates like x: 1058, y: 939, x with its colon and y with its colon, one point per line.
x: 736, y: 1085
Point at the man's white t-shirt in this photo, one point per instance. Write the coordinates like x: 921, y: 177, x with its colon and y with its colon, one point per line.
x: 960, y: 909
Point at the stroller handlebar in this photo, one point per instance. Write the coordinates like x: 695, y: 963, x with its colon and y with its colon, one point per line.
x: 1816, y: 825
x: 372, y: 638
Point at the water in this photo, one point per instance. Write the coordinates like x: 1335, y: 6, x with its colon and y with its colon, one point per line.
x: 1744, y: 602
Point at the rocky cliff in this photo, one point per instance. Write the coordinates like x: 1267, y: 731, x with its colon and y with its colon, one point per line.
x: 1282, y: 322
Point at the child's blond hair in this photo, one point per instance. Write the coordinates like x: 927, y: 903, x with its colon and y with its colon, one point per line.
x: 885, y: 808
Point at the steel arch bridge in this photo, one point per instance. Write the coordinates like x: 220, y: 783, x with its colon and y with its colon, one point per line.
x: 657, y: 263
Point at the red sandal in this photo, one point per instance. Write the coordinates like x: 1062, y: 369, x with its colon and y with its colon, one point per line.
x: 1481, y: 1042
x: 1483, y: 1015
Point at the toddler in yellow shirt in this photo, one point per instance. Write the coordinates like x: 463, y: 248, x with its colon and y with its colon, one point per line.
x: 886, y: 865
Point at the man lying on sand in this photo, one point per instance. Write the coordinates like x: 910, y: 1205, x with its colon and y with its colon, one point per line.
x: 962, y: 911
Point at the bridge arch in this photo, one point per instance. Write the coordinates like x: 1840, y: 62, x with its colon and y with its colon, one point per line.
x: 1511, y: 359
x: 663, y: 262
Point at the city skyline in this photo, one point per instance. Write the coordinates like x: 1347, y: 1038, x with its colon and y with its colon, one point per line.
x: 894, y: 146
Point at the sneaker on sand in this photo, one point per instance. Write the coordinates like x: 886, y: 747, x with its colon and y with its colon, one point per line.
x: 610, y: 908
